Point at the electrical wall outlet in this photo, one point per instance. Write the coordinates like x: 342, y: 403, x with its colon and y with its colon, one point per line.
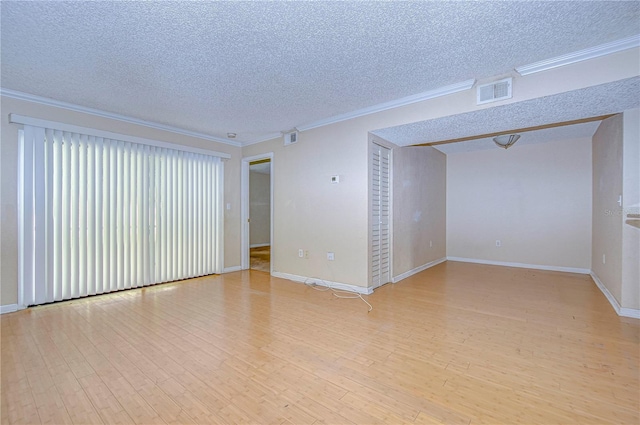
x: 430, y: 244
x: 300, y: 253
x: 306, y: 254
x: 330, y: 256
x: 498, y: 243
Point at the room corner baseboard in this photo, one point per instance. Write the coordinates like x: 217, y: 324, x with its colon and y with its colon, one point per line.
x: 629, y: 312
x: 621, y: 311
x: 411, y: 272
x: 232, y: 269
x: 521, y: 265
x: 324, y: 282
x: 9, y: 308
x: 259, y: 245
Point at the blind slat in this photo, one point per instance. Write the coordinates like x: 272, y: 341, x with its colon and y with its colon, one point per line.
x: 82, y: 216
x: 40, y: 209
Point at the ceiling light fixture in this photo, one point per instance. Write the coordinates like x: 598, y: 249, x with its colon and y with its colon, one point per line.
x: 506, y: 140
x: 231, y: 135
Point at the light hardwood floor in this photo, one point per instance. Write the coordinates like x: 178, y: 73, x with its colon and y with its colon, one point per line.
x: 260, y: 258
x: 458, y: 343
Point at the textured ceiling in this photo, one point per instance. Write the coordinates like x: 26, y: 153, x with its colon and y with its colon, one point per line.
x: 575, y: 131
x: 574, y: 105
x: 255, y: 68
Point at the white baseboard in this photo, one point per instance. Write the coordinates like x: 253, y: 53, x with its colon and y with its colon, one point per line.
x: 232, y: 269
x: 323, y: 282
x: 521, y: 265
x: 259, y: 245
x: 9, y: 308
x: 629, y: 312
x: 622, y: 311
x: 411, y: 272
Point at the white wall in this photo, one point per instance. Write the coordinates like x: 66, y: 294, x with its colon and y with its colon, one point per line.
x: 606, y: 261
x: 259, y: 208
x: 631, y: 205
x: 419, y: 208
x: 311, y: 213
x: 535, y: 199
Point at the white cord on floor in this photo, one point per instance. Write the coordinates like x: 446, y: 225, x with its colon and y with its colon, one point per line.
x: 311, y: 282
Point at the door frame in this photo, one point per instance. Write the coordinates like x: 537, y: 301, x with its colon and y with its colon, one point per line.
x: 244, y: 208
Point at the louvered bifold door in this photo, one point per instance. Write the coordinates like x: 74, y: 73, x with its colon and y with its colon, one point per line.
x: 380, y: 215
x: 100, y: 215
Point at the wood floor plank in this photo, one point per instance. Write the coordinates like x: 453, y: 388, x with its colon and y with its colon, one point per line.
x: 457, y: 343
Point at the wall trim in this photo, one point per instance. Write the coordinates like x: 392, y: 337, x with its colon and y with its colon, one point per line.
x: 231, y: 269
x: 580, y: 55
x: 96, y: 112
x: 9, y: 308
x: 408, y: 100
x: 629, y: 312
x: 423, y: 267
x: 621, y: 311
x: 259, y: 245
x: 324, y: 282
x: 37, y: 122
x: 521, y: 265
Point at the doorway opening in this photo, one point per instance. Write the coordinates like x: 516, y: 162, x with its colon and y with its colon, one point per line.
x: 257, y: 201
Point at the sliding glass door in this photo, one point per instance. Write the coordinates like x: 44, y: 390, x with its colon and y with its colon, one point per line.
x: 101, y: 215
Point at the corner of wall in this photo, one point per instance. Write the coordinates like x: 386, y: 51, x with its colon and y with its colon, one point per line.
x: 621, y: 311
x: 606, y: 247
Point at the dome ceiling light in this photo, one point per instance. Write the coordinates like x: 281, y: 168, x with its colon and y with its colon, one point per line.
x: 506, y: 140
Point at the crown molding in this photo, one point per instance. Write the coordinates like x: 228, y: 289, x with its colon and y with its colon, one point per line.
x: 96, y: 112
x: 580, y: 55
x: 37, y: 122
x: 442, y: 91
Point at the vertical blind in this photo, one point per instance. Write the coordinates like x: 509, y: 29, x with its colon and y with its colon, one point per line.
x: 101, y: 215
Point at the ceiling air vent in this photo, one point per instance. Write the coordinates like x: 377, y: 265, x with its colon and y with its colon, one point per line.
x: 290, y: 138
x: 497, y: 90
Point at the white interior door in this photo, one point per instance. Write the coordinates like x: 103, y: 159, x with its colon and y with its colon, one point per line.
x: 380, y: 215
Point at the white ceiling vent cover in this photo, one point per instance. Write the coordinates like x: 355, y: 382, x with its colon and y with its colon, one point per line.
x: 290, y: 138
x: 497, y: 90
